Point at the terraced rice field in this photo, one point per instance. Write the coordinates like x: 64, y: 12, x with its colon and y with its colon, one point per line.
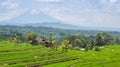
x: 26, y: 55
x: 22, y: 55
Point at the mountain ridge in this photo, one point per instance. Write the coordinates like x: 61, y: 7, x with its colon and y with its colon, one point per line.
x: 45, y: 20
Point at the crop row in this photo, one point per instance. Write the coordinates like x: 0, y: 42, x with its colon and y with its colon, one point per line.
x: 44, y: 62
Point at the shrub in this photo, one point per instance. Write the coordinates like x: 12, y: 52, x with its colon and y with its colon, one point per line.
x: 97, y: 48
x: 76, y: 48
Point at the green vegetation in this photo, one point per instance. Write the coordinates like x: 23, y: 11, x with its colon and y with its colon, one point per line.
x: 22, y: 55
x: 49, y: 47
x: 65, y: 45
x: 31, y: 36
x: 107, y: 57
x: 7, y: 31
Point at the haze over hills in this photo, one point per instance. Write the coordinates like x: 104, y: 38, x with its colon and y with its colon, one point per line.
x: 68, y: 26
x: 54, y: 25
x: 85, y: 14
x: 28, y: 18
x: 62, y: 26
x: 45, y: 20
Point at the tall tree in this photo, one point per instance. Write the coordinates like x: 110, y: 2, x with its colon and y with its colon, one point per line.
x: 117, y: 40
x: 78, y: 40
x: 103, y: 39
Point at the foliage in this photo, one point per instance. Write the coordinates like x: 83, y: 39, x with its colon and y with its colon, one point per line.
x: 88, y: 47
x: 78, y: 40
x: 66, y: 45
x: 97, y: 48
x: 117, y: 40
x: 7, y: 31
x: 103, y: 39
x: 76, y: 48
x: 54, y: 43
x: 31, y: 36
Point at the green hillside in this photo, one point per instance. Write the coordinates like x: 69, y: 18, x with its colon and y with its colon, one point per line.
x: 26, y: 55
x: 7, y: 31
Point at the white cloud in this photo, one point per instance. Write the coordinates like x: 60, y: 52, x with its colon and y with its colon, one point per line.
x: 35, y: 11
x: 96, y: 17
x: 113, y: 1
x: 9, y: 4
x: 56, y: 13
x: 106, y: 12
x: 11, y: 14
x: 108, y: 1
x: 10, y: 10
x: 50, y: 0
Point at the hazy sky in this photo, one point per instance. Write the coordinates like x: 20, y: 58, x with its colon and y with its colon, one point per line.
x: 102, y: 13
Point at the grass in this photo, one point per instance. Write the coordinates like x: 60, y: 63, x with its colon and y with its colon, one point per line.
x: 109, y: 56
x: 26, y: 55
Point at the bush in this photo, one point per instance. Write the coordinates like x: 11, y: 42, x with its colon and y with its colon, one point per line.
x: 97, y: 48
x: 76, y: 48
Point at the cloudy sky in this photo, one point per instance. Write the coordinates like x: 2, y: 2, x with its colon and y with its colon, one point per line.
x: 98, y: 13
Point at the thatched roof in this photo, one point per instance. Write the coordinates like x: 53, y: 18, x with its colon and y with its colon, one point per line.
x: 38, y: 41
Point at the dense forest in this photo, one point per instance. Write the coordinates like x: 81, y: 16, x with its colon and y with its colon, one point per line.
x: 7, y: 31
x: 77, y: 38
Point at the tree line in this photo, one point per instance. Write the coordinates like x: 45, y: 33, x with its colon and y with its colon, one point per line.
x: 66, y: 39
x: 82, y: 41
x: 11, y: 31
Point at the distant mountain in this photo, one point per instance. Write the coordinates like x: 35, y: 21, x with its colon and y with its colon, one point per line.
x: 68, y: 26
x: 54, y: 25
x: 45, y: 20
x: 63, y: 26
x: 30, y: 18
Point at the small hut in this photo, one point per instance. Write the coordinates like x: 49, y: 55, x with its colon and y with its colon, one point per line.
x: 39, y: 41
